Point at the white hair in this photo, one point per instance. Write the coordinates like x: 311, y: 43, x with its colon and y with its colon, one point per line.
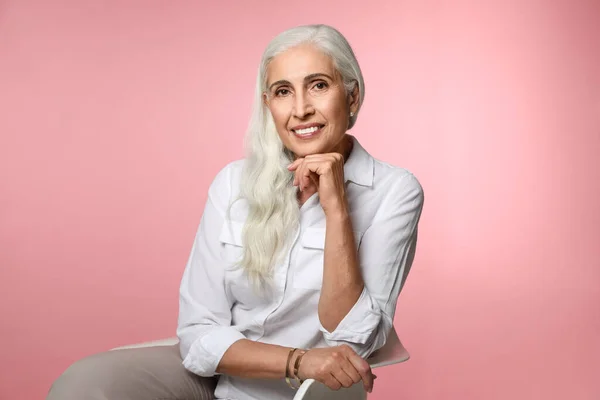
x: 273, y: 210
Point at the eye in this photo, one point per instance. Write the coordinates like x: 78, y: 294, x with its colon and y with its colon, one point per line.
x: 320, y: 85
x: 282, y: 92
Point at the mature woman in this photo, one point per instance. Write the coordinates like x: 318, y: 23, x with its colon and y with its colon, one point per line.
x: 300, y: 255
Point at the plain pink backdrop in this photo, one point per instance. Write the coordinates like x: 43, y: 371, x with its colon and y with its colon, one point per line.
x: 115, y: 116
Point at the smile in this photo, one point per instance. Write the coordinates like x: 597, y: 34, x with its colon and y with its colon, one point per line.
x: 308, y: 132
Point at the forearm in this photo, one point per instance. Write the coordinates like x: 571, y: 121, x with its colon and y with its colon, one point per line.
x: 250, y: 359
x: 342, y: 280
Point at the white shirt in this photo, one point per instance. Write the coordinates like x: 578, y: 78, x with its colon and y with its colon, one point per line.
x: 218, y: 306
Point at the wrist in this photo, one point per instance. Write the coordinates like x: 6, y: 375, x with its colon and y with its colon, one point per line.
x: 290, y: 374
x: 288, y: 365
x: 297, y: 363
x: 338, y: 214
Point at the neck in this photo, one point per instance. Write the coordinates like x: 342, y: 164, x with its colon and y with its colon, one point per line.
x: 347, y: 144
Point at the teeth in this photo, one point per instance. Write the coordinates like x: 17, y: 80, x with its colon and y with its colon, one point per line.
x: 307, y: 130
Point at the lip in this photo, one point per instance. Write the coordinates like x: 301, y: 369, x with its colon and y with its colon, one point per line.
x: 309, y: 135
x: 305, y: 126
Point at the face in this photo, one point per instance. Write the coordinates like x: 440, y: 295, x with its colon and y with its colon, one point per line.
x: 308, y: 101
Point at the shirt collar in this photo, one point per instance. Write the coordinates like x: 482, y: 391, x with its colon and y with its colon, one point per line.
x: 359, y: 166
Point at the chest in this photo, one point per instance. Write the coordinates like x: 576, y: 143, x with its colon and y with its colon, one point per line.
x: 301, y: 265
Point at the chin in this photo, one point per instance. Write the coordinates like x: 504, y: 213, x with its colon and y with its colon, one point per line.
x: 307, y: 149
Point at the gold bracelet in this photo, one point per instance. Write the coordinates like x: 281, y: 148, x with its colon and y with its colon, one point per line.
x: 297, y: 366
x: 287, y: 368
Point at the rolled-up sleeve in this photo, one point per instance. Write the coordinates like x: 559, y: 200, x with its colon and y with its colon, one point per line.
x: 386, y: 253
x: 204, y: 324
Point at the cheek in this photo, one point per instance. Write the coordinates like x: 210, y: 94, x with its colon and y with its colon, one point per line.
x: 336, y: 115
x: 280, y: 115
x: 334, y: 110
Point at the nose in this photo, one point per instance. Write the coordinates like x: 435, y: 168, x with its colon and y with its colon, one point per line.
x: 302, y: 106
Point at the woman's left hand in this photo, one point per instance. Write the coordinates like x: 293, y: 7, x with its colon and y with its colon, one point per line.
x: 326, y: 173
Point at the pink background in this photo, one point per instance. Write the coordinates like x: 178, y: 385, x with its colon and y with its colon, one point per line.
x: 116, y: 116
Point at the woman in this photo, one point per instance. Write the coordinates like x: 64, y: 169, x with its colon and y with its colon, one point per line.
x: 300, y: 255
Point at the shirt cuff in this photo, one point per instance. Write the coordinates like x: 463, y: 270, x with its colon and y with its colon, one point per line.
x: 359, y: 325
x: 206, y: 351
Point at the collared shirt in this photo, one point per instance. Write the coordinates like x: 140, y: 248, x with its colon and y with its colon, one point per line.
x: 218, y: 306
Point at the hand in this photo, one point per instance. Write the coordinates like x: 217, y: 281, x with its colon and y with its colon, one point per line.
x: 326, y: 173
x: 336, y: 367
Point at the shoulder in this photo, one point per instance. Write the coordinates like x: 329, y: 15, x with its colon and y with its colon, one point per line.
x: 229, y: 175
x: 399, y: 191
x: 225, y: 184
x: 395, y: 180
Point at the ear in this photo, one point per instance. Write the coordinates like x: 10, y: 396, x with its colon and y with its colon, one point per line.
x: 354, y: 98
x: 265, y: 99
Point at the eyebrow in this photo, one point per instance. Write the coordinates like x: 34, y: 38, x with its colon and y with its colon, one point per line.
x: 306, y: 79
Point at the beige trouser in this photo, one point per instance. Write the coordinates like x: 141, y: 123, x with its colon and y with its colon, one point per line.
x: 150, y: 373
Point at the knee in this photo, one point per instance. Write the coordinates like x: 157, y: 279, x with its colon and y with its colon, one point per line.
x: 88, y: 379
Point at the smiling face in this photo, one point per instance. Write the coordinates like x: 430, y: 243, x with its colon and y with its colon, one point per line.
x: 308, y: 101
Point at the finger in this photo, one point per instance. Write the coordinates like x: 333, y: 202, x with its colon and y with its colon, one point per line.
x: 298, y: 175
x: 363, y: 368
x: 307, y: 180
x: 305, y: 176
x: 315, y: 180
x: 326, y: 156
x: 295, y: 164
x: 351, y: 371
x: 295, y: 182
x: 365, y: 373
x: 330, y: 158
x: 342, y: 377
x: 331, y: 382
x: 299, y: 179
x: 321, y: 167
x: 293, y: 167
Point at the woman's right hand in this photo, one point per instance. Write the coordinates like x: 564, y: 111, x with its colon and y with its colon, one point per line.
x: 336, y: 367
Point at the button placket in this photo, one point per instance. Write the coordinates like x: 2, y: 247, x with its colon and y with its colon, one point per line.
x: 283, y: 271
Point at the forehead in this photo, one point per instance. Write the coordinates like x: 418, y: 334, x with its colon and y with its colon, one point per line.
x: 296, y: 63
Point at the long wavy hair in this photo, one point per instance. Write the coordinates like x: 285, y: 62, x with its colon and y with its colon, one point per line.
x: 273, y: 211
